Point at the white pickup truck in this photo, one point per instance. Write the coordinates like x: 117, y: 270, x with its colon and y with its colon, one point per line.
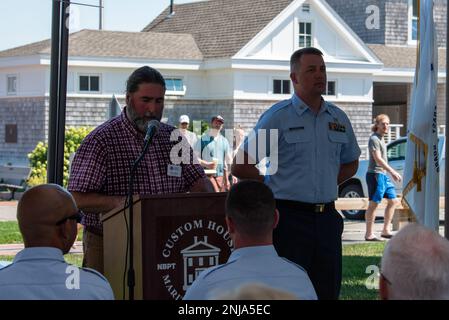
x: 356, y: 186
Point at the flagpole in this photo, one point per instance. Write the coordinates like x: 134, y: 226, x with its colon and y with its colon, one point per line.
x: 446, y: 173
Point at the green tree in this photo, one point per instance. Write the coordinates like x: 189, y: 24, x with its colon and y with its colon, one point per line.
x: 38, y: 157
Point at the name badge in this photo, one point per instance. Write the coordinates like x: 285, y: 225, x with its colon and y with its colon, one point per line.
x: 333, y: 126
x: 296, y: 128
x: 174, y: 171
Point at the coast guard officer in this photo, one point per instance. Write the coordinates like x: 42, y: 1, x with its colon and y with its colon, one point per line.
x: 47, y: 216
x: 315, y: 149
x: 251, y: 216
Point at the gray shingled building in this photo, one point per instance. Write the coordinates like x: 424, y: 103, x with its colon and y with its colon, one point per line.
x: 217, y: 56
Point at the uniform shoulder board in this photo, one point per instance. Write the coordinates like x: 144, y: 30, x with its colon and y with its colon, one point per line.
x: 280, y: 105
x: 221, y: 266
x: 95, y: 272
x: 293, y: 263
x: 275, y: 108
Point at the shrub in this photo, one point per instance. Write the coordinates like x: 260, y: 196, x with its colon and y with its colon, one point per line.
x: 38, y: 157
x: 204, y: 127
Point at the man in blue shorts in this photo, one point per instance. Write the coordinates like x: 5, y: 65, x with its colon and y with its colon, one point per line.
x: 379, y: 184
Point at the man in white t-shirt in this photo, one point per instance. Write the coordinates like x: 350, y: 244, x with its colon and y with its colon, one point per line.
x: 184, y: 122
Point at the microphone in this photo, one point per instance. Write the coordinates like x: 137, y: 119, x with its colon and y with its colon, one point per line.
x: 152, y: 129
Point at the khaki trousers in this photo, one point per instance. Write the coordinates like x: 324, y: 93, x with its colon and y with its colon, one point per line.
x: 93, y: 251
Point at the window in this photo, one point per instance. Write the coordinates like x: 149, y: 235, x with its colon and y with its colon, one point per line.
x: 396, y: 150
x: 305, y: 7
x: 330, y: 88
x: 11, y: 133
x: 11, y: 84
x: 305, y: 34
x: 413, y: 20
x: 89, y: 83
x: 174, y: 84
x: 281, y: 86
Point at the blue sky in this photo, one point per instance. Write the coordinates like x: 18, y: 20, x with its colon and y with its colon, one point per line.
x: 27, y: 21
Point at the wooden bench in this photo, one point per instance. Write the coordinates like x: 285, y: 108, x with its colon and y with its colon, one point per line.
x: 13, y: 178
x: 401, y: 216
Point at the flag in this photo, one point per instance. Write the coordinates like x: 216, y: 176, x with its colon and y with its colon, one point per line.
x: 421, y: 178
x: 114, y: 107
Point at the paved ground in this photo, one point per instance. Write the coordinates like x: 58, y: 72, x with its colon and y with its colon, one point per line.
x: 354, y: 231
x: 8, y: 210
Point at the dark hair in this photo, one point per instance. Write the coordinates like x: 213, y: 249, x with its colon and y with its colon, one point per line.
x: 144, y: 74
x: 294, y: 60
x: 251, y: 206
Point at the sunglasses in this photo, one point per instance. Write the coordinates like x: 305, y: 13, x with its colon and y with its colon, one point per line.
x: 77, y: 217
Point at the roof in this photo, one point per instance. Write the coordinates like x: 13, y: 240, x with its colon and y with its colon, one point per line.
x: 201, y: 246
x: 402, y: 56
x: 101, y: 43
x: 220, y: 27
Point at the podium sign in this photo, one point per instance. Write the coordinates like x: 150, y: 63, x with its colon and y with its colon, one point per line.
x: 176, y: 236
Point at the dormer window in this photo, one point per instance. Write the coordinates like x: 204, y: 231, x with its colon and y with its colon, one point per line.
x: 305, y: 34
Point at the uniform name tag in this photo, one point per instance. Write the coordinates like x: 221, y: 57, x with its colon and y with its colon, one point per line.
x: 174, y: 171
x: 337, y: 127
x: 296, y: 128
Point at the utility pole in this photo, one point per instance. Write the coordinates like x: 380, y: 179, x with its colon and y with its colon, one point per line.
x: 58, y: 91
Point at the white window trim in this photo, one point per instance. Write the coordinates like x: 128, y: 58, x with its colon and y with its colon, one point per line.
x: 312, y: 35
x: 12, y: 93
x: 409, y: 23
x: 336, y: 89
x: 100, y: 83
x: 272, y: 86
x: 176, y: 93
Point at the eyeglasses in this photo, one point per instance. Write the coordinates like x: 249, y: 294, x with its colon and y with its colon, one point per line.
x: 77, y: 217
x: 386, y: 279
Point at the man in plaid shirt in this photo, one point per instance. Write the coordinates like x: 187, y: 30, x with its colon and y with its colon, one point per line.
x: 102, y: 165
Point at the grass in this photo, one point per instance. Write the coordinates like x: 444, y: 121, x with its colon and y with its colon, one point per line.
x: 71, y: 258
x: 9, y: 233
x: 356, y: 259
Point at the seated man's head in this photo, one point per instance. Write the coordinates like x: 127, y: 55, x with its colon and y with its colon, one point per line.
x: 251, y: 214
x: 415, y: 265
x: 48, y: 216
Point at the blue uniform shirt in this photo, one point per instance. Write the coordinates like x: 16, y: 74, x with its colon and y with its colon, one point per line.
x: 310, y: 150
x: 259, y: 264
x: 41, y: 273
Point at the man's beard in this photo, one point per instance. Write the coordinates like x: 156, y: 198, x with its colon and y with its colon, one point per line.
x: 141, y: 123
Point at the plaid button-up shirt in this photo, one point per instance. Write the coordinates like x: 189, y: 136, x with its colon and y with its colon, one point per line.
x: 104, y: 160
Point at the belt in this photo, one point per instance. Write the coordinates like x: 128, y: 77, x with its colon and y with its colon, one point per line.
x: 310, y: 207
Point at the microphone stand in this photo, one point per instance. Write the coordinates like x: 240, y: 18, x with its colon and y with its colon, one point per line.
x: 130, y: 204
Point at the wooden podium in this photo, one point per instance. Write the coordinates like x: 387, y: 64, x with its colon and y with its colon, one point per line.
x: 176, y: 236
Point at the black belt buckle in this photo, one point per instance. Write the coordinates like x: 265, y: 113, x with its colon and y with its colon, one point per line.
x: 319, y: 208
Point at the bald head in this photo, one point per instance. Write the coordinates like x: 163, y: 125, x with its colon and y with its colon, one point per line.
x: 416, y: 262
x: 38, y: 212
